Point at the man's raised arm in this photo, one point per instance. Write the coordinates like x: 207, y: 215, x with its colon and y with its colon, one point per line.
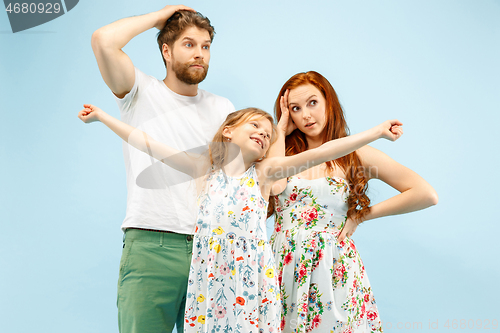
x: 116, y: 68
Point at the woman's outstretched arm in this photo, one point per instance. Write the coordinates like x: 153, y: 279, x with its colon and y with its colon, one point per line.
x: 187, y: 163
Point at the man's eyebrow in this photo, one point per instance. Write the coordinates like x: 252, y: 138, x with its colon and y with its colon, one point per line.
x: 192, y: 39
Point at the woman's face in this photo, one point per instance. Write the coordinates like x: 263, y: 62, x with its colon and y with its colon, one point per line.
x: 307, y: 108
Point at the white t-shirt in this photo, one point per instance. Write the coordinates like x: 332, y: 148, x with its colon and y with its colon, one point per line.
x: 160, y: 197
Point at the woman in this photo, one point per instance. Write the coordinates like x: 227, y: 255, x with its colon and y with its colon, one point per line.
x: 322, y: 279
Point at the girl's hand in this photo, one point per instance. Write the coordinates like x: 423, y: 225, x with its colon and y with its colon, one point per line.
x: 391, y: 129
x: 90, y: 113
x: 348, y: 229
x: 286, y: 124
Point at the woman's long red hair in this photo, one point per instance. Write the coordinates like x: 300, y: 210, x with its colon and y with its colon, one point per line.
x: 336, y: 127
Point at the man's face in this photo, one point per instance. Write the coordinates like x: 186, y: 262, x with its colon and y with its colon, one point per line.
x: 190, y: 55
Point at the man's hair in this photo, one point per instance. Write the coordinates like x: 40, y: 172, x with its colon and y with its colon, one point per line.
x: 180, y: 21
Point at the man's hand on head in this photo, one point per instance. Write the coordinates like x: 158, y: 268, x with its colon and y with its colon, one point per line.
x: 167, y: 11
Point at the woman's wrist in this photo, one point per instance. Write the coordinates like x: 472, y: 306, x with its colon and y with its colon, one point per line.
x: 368, y: 216
x: 281, y: 134
x: 359, y: 220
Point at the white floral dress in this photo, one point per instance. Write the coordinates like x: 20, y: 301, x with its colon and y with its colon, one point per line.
x: 323, y: 283
x: 232, y: 284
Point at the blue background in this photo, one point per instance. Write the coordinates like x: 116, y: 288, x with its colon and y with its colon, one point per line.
x: 434, y: 65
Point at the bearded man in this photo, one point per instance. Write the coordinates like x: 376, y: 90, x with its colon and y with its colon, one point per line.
x: 161, y: 211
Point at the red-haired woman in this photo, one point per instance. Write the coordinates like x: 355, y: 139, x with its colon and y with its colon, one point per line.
x: 323, y: 282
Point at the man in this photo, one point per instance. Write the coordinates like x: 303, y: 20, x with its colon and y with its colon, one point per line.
x: 161, y: 214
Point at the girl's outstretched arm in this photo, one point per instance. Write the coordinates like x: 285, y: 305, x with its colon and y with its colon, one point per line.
x: 188, y: 163
x: 282, y: 167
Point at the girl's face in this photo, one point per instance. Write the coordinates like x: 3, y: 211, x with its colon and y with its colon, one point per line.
x: 307, y: 108
x: 253, y: 137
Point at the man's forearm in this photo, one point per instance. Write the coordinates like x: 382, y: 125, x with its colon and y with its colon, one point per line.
x: 117, y: 34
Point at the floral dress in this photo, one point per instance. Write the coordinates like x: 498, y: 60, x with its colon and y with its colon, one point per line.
x: 232, y: 285
x: 323, y: 283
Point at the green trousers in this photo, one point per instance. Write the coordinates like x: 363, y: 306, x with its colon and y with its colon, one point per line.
x: 152, y: 283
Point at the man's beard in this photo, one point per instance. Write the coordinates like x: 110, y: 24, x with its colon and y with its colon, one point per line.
x: 187, y: 75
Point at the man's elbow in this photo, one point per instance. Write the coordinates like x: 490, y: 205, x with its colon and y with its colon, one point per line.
x: 99, y: 39
x: 96, y: 39
x: 432, y: 197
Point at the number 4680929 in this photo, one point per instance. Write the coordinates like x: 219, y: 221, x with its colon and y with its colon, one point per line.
x: 32, y: 8
x: 471, y: 324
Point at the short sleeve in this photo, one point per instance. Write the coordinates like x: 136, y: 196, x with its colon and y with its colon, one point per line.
x: 226, y: 108
x: 141, y: 80
x: 230, y: 107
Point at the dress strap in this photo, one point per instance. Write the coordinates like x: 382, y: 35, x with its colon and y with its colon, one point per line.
x: 252, y: 171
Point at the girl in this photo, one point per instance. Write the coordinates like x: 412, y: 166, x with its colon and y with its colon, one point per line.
x: 232, y: 283
x: 322, y: 279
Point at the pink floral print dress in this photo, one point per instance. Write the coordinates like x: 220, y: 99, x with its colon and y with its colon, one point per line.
x: 323, y: 283
x: 232, y: 284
